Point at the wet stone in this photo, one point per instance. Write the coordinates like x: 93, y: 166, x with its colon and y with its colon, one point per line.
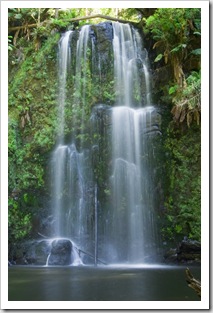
x: 60, y: 252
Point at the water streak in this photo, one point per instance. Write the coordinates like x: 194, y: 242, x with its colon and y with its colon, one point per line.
x: 64, y: 57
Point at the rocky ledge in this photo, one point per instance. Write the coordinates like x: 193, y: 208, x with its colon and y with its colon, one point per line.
x: 187, y: 252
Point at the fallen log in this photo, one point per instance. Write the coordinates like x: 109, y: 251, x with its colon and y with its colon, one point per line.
x: 193, y: 283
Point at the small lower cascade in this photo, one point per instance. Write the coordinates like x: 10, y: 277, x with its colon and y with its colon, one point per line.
x: 47, y: 262
x: 75, y: 257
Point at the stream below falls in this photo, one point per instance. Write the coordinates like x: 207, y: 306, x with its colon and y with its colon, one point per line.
x: 102, y: 283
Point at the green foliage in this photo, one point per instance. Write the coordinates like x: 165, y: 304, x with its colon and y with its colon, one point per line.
x: 175, y: 34
x: 196, y: 51
x: 183, y: 194
x: 59, y: 23
x: 19, y: 221
x: 10, y: 46
x: 173, y: 89
x: 159, y: 57
x: 31, y: 132
x: 165, y: 23
x: 130, y: 14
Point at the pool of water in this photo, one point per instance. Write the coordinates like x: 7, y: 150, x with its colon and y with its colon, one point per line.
x: 109, y: 283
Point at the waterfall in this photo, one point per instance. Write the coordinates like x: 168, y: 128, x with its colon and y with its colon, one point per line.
x: 64, y: 57
x: 70, y: 168
x: 123, y: 231
x: 131, y: 231
x: 125, y: 63
x: 80, y: 81
x: 60, y: 152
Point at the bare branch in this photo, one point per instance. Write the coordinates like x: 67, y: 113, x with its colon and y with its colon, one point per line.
x: 192, y: 282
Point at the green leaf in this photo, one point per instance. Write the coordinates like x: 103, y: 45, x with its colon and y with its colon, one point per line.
x: 18, y: 16
x: 25, y: 197
x: 178, y: 228
x: 158, y: 58
x: 176, y: 49
x: 172, y: 89
x: 170, y: 218
x: 196, y: 51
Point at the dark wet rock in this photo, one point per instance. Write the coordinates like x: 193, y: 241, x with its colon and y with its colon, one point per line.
x: 60, y: 252
x: 103, y: 34
x: 161, y: 76
x: 33, y: 252
x: 190, y: 246
x: 171, y: 256
x: 37, y: 252
x: 101, y: 117
x: 188, y: 251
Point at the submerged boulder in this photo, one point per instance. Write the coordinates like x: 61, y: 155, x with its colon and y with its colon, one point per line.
x: 60, y: 252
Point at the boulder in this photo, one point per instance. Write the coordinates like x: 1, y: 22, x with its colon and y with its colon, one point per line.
x: 189, y: 246
x: 171, y: 256
x: 188, y: 251
x: 60, y: 252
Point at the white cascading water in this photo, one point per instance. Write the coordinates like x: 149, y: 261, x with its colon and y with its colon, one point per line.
x: 69, y: 167
x: 64, y: 57
x: 131, y: 231
x: 60, y: 152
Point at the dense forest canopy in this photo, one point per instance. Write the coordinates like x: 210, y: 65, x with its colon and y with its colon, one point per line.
x: 173, y: 40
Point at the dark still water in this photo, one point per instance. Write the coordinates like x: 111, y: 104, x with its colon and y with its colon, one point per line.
x: 151, y: 283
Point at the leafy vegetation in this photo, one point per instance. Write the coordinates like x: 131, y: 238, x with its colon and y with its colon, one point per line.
x: 176, y: 33
x: 176, y: 42
x: 183, y: 199
x: 173, y: 31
